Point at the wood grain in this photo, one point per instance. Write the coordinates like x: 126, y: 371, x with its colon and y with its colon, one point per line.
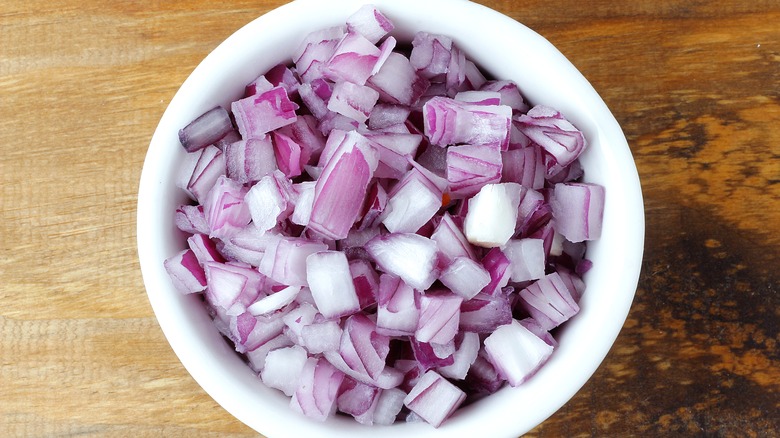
x: 695, y: 86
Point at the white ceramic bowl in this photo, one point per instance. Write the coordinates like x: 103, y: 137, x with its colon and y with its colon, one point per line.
x: 506, y: 49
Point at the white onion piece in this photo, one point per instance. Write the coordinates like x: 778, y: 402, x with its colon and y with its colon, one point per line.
x: 409, y: 256
x: 516, y: 352
x: 330, y: 281
x: 434, y: 398
x: 283, y: 368
x: 492, y: 215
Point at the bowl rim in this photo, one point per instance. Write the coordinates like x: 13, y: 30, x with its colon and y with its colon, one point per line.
x: 238, y: 390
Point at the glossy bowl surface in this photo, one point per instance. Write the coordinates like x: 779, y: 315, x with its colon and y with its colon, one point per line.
x: 507, y: 50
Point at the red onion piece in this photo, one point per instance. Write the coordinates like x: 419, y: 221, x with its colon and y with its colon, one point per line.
x: 224, y: 208
x: 439, y: 318
x: 578, y: 209
x: 358, y: 399
x: 317, y: 390
x: 465, y: 277
x: 409, y: 256
x: 411, y: 203
x: 353, y: 59
x: 370, y: 22
x: 353, y: 100
x: 190, y: 219
x: 249, y: 160
x: 484, y: 313
x: 469, y: 168
x: 341, y: 189
x: 209, y: 166
x: 448, y: 122
x: 270, y: 201
x: 186, y: 273
x: 398, y: 313
x: 284, y: 259
x: 549, y: 129
x: 206, y: 129
x: 331, y: 285
x: 527, y: 259
x: 492, y: 215
x: 467, y: 346
x: 516, y: 352
x: 549, y: 301
x: 434, y: 398
x: 283, y: 368
x: 397, y: 81
x: 259, y: 114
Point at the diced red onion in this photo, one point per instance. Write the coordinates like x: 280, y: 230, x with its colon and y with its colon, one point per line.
x: 550, y: 130
x: 190, y: 219
x: 411, y: 203
x: 465, y: 277
x: 204, y: 248
x: 209, y: 167
x: 398, y: 311
x: 510, y: 94
x: 516, y: 352
x: 397, y: 81
x: 467, y: 347
x: 274, y: 301
x: 527, y: 259
x: 249, y: 160
x: 283, y: 368
x: 370, y: 22
x: 321, y: 337
x: 434, y: 398
x: 206, y: 129
x: 259, y: 114
x: 353, y: 60
x: 492, y: 215
x: 353, y: 100
x: 224, y: 208
x: 471, y: 167
x: 498, y: 266
x: 439, y: 318
x: 484, y: 313
x: 450, y: 240
x: 431, y: 54
x: 186, y: 273
x: 578, y: 209
x: 341, y: 189
x: 310, y: 236
x: 524, y: 166
x: 448, y: 122
x: 270, y: 201
x: 409, y: 256
x: 330, y: 282
x: 284, y: 259
x: 549, y: 301
x: 317, y: 390
x: 358, y: 399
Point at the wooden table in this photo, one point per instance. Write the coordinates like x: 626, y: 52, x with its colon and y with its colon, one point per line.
x: 695, y: 85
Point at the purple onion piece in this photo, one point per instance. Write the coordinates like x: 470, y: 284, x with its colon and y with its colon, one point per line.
x: 578, y: 209
x: 516, y: 352
x: 206, y: 129
x: 434, y: 398
x: 186, y: 273
x: 549, y: 301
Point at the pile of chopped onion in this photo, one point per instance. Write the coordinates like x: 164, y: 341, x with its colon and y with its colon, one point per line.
x: 385, y: 232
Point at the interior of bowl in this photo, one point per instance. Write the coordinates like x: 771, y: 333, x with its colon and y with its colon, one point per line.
x: 507, y: 50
